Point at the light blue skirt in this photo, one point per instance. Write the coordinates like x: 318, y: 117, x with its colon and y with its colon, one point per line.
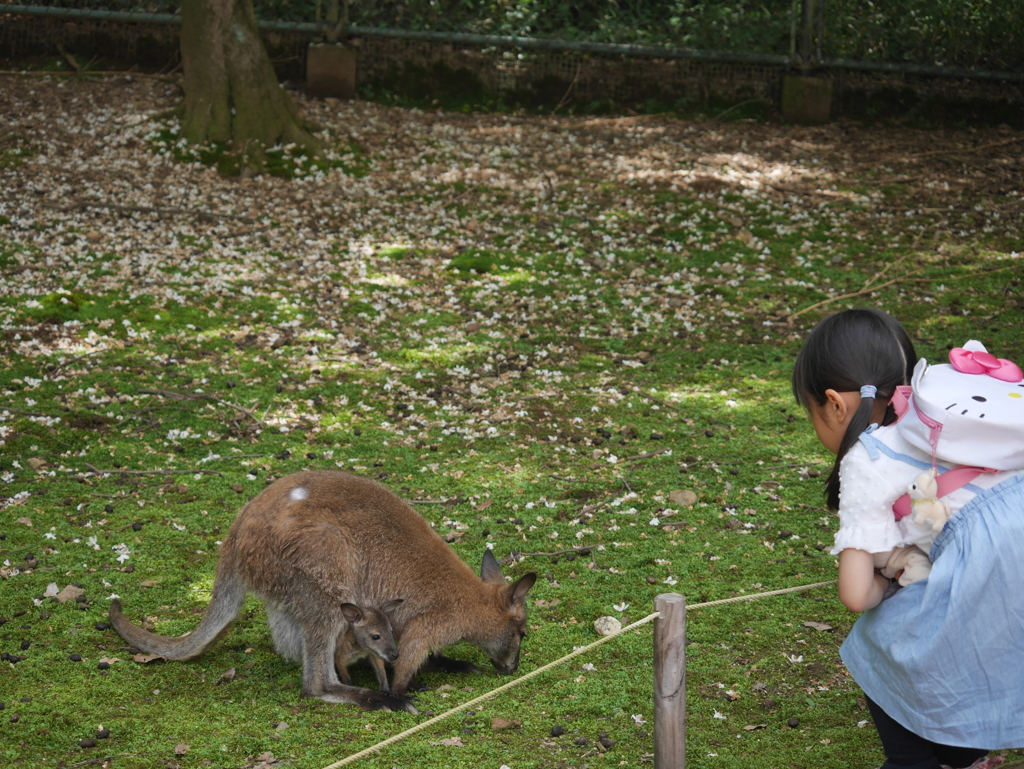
x: 945, y: 656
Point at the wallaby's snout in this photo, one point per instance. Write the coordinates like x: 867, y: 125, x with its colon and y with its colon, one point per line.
x: 506, y: 658
x: 507, y: 668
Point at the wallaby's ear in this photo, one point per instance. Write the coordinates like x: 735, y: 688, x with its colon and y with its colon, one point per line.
x: 390, y: 606
x: 352, y: 613
x: 517, y: 590
x: 489, y: 569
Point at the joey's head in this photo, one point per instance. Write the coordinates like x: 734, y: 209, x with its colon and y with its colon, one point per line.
x: 502, y: 637
x: 372, y: 628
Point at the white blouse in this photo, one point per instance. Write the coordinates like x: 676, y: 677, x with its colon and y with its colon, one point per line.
x: 875, y: 473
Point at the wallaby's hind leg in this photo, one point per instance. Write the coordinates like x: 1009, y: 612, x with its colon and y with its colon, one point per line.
x: 319, y: 678
x: 286, y: 632
x: 438, y: 663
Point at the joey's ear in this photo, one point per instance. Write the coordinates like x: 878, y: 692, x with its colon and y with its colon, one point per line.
x: 352, y: 612
x: 517, y: 590
x: 390, y: 606
x: 489, y: 569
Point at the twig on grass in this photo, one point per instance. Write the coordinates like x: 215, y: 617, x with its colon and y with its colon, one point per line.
x: 569, y: 480
x: 663, y: 404
x: 890, y: 180
x: 630, y: 117
x: 251, y: 231
x: 90, y: 73
x: 814, y: 507
x: 203, y: 397
x: 25, y: 413
x: 515, y: 557
x: 673, y: 525
x: 737, y: 106
x: 819, y: 193
x: 185, y: 471
x: 968, y: 149
x: 80, y: 205
x: 961, y: 277
x: 869, y: 286
x: 50, y: 374
x: 104, y: 759
x: 881, y: 273
x: 709, y: 462
x: 134, y: 495
x: 839, y: 298
x: 645, y: 455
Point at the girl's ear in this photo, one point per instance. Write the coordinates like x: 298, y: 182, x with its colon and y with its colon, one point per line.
x: 836, y: 408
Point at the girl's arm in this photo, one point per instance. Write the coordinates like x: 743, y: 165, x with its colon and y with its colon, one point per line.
x: 860, y: 586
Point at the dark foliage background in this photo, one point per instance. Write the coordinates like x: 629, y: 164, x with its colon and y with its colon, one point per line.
x: 984, y: 34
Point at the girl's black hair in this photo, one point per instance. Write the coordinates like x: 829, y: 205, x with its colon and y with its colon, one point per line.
x: 844, y: 352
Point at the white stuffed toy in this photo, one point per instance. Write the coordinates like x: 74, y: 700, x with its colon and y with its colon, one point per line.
x: 926, y: 506
x: 907, y: 564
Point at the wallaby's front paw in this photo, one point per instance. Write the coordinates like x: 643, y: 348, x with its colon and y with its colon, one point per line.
x: 409, y: 707
x: 438, y: 663
x: 392, y: 702
x: 416, y: 685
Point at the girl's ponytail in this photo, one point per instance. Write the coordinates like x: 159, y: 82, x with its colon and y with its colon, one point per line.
x: 862, y: 350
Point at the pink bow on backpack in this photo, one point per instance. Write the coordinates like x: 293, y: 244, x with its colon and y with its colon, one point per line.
x: 978, y: 362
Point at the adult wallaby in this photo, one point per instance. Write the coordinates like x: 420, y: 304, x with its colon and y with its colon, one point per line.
x: 313, y: 541
x: 369, y: 636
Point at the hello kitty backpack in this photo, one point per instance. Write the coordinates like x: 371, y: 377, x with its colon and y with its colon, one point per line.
x: 968, y: 412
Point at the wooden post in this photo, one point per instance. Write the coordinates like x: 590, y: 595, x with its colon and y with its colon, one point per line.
x: 670, y: 682
x: 806, y: 22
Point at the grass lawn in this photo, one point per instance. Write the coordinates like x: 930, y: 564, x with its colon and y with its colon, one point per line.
x: 535, y: 328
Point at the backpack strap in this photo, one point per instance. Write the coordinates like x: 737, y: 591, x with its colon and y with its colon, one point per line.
x: 901, y: 401
x: 948, y: 482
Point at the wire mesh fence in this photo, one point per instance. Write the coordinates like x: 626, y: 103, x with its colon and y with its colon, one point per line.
x: 539, y: 77
x: 972, y: 34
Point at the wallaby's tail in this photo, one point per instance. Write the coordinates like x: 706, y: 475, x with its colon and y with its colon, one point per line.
x: 228, y: 595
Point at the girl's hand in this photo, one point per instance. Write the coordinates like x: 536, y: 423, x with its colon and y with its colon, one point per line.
x: 860, y: 586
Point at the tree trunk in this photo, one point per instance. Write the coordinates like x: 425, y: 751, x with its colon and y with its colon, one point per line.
x: 231, y: 89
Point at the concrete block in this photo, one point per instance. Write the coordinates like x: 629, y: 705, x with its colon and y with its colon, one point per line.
x: 331, y: 70
x: 806, y: 100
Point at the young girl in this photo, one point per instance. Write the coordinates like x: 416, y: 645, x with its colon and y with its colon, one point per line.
x: 940, y: 660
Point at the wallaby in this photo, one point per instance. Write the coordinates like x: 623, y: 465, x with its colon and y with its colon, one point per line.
x: 368, y: 636
x: 312, y: 541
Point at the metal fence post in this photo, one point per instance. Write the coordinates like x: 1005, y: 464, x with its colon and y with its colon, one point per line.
x: 670, y: 682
